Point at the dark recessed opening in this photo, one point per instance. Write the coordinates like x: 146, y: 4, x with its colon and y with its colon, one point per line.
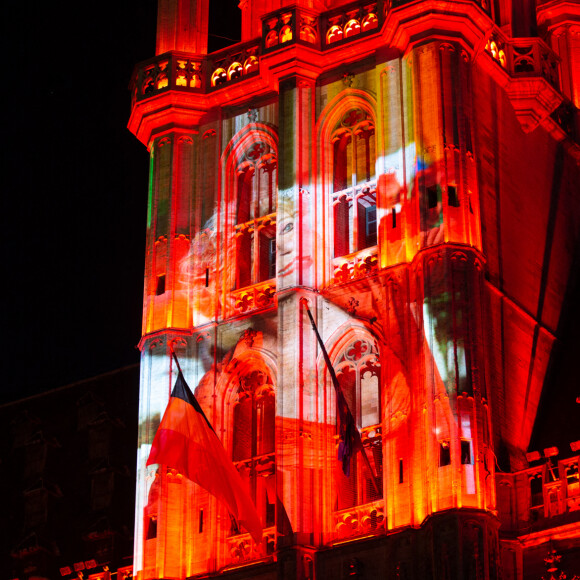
x: 452, y: 198
x: 466, y: 452
x: 432, y: 196
x: 152, y: 528
x: 444, y: 453
x: 160, y: 285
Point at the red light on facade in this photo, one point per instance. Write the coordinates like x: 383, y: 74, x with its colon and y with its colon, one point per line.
x: 383, y: 172
x: 91, y: 563
x: 78, y: 566
x: 65, y: 571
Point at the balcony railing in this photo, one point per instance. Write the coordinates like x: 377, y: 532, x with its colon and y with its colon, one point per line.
x: 183, y: 72
x: 360, y: 520
x: 525, y: 57
x: 299, y: 26
x: 351, y: 22
x: 255, y: 297
x: 232, y: 64
x: 170, y: 71
x: 354, y: 266
x: 242, y: 549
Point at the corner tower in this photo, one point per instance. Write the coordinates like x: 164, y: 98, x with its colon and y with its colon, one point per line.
x: 361, y: 157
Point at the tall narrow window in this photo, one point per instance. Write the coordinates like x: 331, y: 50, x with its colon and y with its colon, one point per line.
x: 358, y: 372
x: 444, y: 453
x: 253, y: 440
x: 452, y: 199
x: 255, y: 217
x: 466, y: 452
x: 353, y: 187
x: 151, y: 528
x: 367, y: 220
x: 160, y: 288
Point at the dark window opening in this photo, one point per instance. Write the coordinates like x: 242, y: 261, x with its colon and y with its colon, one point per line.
x: 367, y: 221
x: 452, y: 198
x: 200, y: 530
x: 341, y: 228
x: 432, y: 196
x: 444, y: 453
x: 270, y: 514
x: 272, y: 257
x: 206, y: 277
x: 152, y: 528
x: 342, y: 170
x: 394, y: 216
x: 401, y: 479
x: 359, y: 381
x: 371, y: 226
x: 353, y: 166
x: 254, y: 437
x: 245, y: 262
x: 256, y: 198
x: 245, y: 190
x: 465, y: 452
x: 160, y: 289
x: 267, y: 254
x: 365, y: 156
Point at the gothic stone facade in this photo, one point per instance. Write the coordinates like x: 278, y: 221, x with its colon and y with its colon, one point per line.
x: 409, y: 171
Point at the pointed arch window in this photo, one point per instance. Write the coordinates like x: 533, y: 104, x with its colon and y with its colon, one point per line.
x: 253, y: 440
x: 255, y: 219
x: 354, y: 200
x: 358, y: 372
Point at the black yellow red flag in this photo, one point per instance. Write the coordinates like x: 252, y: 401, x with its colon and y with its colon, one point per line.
x: 186, y: 441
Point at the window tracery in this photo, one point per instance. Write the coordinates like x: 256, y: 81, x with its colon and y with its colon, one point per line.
x: 253, y: 440
x: 353, y: 183
x: 358, y: 373
x: 255, y: 219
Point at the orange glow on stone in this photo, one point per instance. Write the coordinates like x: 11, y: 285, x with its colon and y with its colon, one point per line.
x: 401, y: 182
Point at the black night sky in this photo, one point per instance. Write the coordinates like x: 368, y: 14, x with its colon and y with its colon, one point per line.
x: 75, y: 188
x: 74, y: 197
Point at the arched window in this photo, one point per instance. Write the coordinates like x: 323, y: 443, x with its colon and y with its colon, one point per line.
x: 253, y: 440
x: 358, y: 373
x: 255, y: 221
x: 354, y: 199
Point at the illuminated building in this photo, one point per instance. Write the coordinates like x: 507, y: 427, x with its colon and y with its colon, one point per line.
x: 409, y: 169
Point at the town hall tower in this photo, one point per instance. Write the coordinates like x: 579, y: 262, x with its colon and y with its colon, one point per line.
x: 407, y: 171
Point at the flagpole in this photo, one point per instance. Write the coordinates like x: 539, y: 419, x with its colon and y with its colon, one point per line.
x: 338, y: 390
x: 175, y: 359
x: 185, y: 439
